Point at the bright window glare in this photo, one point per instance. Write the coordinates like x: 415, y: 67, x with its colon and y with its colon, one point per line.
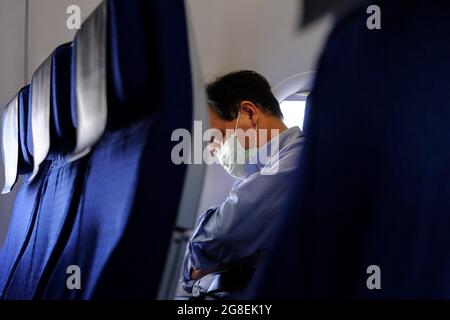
x: 293, y: 112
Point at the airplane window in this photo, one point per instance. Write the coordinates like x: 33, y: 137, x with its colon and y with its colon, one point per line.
x: 293, y: 113
x: 292, y: 92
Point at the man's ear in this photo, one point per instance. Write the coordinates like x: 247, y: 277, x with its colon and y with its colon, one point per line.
x: 251, y: 110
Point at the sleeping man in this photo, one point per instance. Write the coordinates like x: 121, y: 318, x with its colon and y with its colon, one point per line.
x: 248, y: 117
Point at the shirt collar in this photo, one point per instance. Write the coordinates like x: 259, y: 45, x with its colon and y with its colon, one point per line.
x: 284, y: 139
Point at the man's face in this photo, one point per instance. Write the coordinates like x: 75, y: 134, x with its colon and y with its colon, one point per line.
x: 226, y: 128
x: 223, y: 126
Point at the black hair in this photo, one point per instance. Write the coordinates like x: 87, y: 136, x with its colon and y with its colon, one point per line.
x: 226, y: 93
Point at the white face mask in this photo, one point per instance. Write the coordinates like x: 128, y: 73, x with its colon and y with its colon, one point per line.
x: 232, y: 155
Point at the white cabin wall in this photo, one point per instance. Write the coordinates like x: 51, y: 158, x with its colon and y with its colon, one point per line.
x: 254, y: 34
x: 47, y: 21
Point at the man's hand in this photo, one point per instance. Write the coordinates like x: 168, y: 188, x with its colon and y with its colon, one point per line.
x: 197, y: 274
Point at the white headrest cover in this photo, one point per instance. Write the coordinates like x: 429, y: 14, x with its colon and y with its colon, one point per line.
x: 10, y: 143
x: 40, y: 113
x: 90, y: 44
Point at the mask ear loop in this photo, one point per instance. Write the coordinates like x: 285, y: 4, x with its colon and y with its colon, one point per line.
x: 237, y: 122
x: 257, y: 136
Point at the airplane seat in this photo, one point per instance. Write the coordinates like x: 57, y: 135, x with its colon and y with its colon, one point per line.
x: 21, y: 217
x: 133, y: 192
x: 369, y: 217
x: 51, y: 133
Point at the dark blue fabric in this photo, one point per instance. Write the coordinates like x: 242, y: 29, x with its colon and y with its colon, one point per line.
x: 26, y: 201
x: 62, y: 128
x: 132, y: 189
x: 19, y: 231
x: 52, y: 211
x: 25, y: 164
x: 129, y: 69
x: 373, y: 185
x: 131, y: 73
x: 104, y: 209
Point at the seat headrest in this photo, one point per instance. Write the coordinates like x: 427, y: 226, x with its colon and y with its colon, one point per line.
x: 62, y: 128
x: 40, y: 113
x: 10, y: 143
x: 52, y: 129
x: 113, y: 69
x: 89, y: 81
x: 133, y: 62
x: 25, y: 164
